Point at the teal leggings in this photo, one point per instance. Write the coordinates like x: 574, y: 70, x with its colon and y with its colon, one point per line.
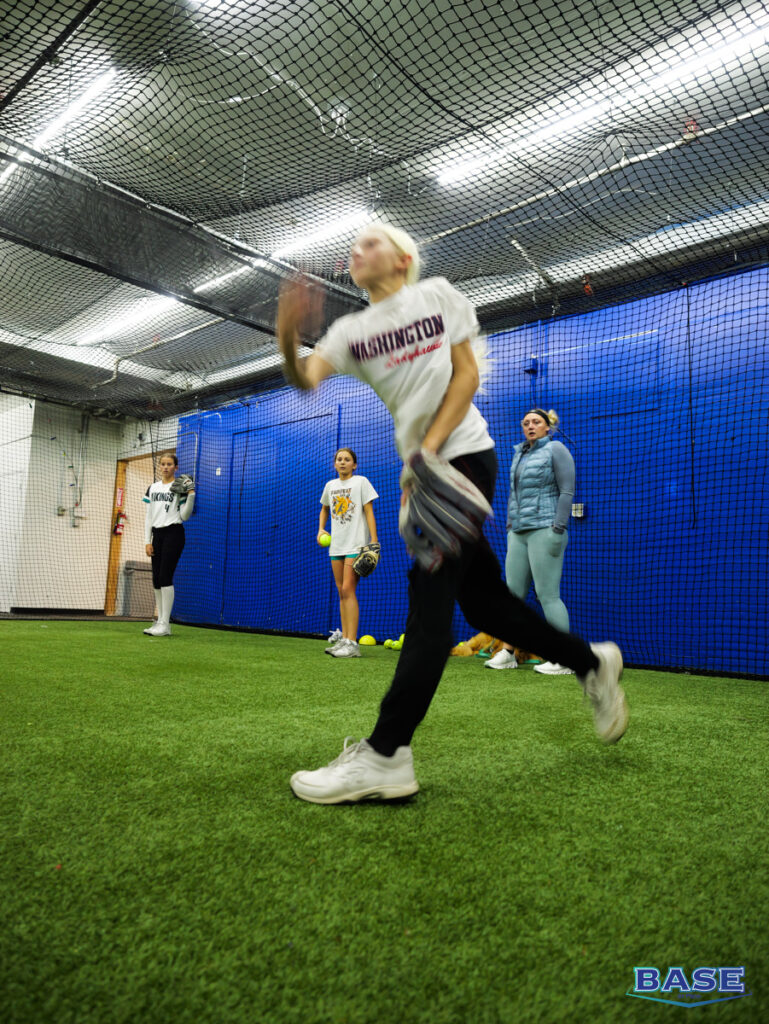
x: 538, y: 555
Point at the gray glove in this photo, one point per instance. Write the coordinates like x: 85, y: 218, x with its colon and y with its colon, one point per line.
x: 182, y: 484
x: 443, y: 510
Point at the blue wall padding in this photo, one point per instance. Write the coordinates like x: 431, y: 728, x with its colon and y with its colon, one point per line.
x: 664, y: 406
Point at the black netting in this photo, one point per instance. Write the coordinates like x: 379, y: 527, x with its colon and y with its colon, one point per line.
x: 548, y: 157
x: 212, y: 288
x: 164, y: 165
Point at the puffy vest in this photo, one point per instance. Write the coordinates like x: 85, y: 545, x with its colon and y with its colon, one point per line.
x: 534, y: 504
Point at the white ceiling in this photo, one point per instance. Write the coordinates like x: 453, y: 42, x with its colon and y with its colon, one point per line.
x: 619, y: 140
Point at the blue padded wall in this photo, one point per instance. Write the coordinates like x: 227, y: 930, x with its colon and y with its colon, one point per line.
x: 663, y: 403
x: 251, y: 560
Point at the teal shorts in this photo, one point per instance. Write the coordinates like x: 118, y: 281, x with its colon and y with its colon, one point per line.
x: 338, y: 558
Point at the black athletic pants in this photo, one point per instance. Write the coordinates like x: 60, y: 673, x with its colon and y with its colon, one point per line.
x: 475, y: 580
x: 167, y: 547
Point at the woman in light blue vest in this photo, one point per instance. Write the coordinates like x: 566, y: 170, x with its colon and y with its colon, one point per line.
x: 542, y: 480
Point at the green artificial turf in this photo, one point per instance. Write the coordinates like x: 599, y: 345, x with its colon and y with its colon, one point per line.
x: 156, y: 867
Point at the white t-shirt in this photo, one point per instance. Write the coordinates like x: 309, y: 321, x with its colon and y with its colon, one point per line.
x: 401, y: 346
x: 345, y: 499
x: 163, y: 508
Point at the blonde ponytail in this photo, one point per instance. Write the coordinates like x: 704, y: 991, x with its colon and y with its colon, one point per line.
x: 405, y: 244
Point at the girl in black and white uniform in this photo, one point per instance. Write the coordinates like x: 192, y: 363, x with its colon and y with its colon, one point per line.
x: 164, y: 537
x: 414, y: 346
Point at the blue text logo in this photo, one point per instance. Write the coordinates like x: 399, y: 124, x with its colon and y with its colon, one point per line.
x: 707, y: 985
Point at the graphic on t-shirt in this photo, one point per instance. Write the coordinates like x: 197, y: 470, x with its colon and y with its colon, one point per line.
x: 401, y: 337
x: 403, y: 347
x: 343, y: 507
x: 166, y: 496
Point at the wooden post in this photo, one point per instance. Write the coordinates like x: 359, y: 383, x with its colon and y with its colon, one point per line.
x: 113, y: 567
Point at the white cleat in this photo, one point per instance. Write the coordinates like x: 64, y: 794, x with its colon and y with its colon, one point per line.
x: 610, y: 710
x: 359, y: 773
x: 346, y: 649
x: 502, y: 659
x: 153, y: 630
x: 552, y: 668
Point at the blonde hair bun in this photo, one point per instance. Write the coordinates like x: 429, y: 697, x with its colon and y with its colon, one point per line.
x: 553, y: 418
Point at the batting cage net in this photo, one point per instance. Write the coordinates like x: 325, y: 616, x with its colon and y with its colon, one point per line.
x: 591, y: 175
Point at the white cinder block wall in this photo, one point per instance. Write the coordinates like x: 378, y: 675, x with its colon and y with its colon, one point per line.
x: 16, y: 417
x: 64, y: 548
x: 57, y: 479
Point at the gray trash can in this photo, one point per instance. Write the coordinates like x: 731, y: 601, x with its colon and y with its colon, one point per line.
x: 138, y: 596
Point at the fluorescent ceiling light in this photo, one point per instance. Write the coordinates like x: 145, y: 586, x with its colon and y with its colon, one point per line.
x: 152, y: 306
x: 253, y: 264
x: 96, y: 88
x: 144, y: 311
x: 484, y: 292
x: 74, y: 109
x: 97, y: 358
x: 662, y: 243
x: 148, y: 308
x: 754, y: 36
x: 459, y: 172
x: 273, y: 360
x: 600, y: 172
x: 93, y: 357
x: 330, y: 231
x: 101, y: 359
x: 216, y: 281
x: 567, y: 117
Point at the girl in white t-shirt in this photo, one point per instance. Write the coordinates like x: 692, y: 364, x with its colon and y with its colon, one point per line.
x: 349, y: 500
x: 414, y: 346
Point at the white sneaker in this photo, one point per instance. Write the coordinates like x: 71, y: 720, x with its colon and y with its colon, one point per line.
x: 610, y: 710
x: 552, y: 668
x: 333, y: 645
x: 502, y: 659
x: 346, y: 649
x: 159, y: 629
x: 336, y: 635
x: 359, y: 773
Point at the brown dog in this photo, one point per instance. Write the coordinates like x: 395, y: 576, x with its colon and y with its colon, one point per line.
x: 486, y: 644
